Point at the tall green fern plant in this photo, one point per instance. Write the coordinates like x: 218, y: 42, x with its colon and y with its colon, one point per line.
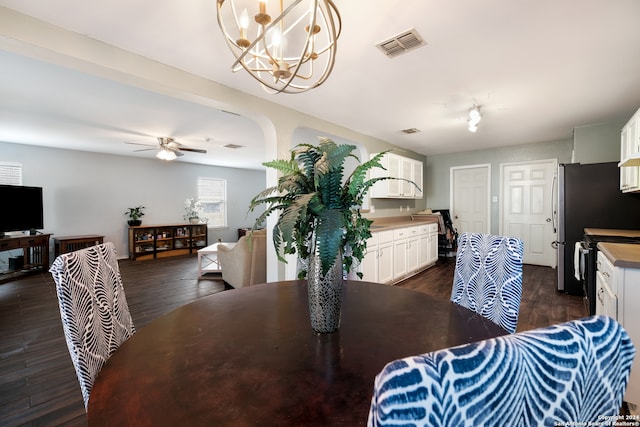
x: 313, y: 196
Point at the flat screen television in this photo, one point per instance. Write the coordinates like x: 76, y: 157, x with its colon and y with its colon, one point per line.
x: 21, y: 208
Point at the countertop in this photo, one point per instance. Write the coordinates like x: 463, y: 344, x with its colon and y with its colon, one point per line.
x: 611, y: 232
x: 390, y: 223
x: 621, y: 254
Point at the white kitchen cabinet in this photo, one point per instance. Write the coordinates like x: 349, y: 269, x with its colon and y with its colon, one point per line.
x: 428, y: 245
x: 398, y: 167
x: 385, y: 262
x: 406, y: 251
x: 413, y: 249
x: 369, y: 264
x: 630, y: 155
x: 622, y: 304
x: 433, y: 243
x: 418, y: 178
x: 377, y: 264
x: 406, y: 172
x: 400, y: 252
x: 606, y: 298
x: 423, y: 249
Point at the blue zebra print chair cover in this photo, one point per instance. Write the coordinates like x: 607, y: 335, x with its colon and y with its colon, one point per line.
x: 93, y: 307
x: 488, y: 277
x: 573, y: 372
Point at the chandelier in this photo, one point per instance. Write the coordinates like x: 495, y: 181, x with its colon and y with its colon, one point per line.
x: 288, y: 47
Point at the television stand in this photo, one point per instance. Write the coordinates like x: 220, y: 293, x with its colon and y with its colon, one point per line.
x: 35, y: 255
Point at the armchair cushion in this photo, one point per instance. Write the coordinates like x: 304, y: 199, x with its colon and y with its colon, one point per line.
x: 244, y: 263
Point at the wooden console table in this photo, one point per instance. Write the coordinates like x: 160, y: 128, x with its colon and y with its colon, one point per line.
x: 64, y: 244
x: 35, y: 254
x: 157, y: 241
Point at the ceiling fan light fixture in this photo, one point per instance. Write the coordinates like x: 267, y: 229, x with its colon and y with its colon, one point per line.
x: 165, y: 154
x: 289, y: 46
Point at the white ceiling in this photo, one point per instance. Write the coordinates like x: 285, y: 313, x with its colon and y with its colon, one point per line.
x: 537, y: 68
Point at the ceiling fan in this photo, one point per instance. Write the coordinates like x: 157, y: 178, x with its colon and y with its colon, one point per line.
x: 168, y: 148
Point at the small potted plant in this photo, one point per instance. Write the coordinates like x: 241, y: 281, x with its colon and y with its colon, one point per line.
x: 192, y: 210
x: 134, y: 215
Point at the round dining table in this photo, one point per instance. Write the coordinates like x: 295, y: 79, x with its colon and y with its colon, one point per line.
x: 248, y: 357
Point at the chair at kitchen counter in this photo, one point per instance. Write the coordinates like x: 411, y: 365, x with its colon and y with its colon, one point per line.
x: 93, y: 308
x: 574, y: 373
x: 488, y: 277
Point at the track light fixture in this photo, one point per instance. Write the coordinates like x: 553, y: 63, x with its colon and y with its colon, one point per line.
x: 474, y: 118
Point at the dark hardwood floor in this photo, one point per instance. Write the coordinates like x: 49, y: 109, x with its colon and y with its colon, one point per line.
x: 541, y: 305
x: 38, y: 386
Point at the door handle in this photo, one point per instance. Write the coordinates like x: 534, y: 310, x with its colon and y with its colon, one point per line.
x: 548, y: 219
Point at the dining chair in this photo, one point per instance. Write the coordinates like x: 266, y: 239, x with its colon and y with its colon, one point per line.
x: 488, y: 277
x: 574, y: 372
x: 93, y: 308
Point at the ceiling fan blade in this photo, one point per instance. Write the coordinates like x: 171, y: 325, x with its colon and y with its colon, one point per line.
x: 178, y: 153
x: 144, y: 149
x: 137, y: 143
x: 194, y: 150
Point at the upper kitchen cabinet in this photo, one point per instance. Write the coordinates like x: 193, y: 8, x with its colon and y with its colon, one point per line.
x: 398, y: 167
x: 630, y: 155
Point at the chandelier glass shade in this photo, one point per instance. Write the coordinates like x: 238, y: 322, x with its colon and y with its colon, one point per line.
x: 289, y: 46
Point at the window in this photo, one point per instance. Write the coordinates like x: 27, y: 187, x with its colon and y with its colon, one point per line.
x: 212, y: 193
x: 10, y: 173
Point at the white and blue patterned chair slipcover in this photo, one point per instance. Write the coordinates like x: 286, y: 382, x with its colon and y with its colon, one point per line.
x: 573, y: 372
x: 93, y: 307
x: 488, y: 277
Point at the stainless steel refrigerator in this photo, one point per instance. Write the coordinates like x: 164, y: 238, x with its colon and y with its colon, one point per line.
x: 589, y: 196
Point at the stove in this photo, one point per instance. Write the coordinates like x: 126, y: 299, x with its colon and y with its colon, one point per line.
x: 588, y: 258
x: 593, y: 240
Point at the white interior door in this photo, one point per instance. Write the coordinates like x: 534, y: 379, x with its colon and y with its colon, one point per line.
x: 526, y: 209
x: 470, y: 198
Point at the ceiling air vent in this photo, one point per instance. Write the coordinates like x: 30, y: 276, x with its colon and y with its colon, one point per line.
x: 410, y: 131
x: 404, y: 42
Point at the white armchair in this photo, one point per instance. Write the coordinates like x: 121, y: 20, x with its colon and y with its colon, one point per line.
x: 244, y: 263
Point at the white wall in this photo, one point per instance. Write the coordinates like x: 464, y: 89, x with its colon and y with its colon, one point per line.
x: 88, y: 193
x: 383, y: 207
x: 597, y: 143
x: 437, y: 170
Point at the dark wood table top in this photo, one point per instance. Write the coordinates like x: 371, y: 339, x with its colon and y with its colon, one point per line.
x: 249, y: 357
